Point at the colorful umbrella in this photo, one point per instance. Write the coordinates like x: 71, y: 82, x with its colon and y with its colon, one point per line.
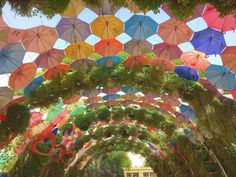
x: 74, y: 8
x: 56, y: 110
x: 39, y: 39
x: 4, y: 32
x: 15, y: 35
x: 167, y: 51
x: 22, y: 76
x: 111, y: 97
x: 11, y: 57
x: 35, y: 119
x: 72, y: 99
x: 221, y: 77
x: 172, y: 100
x: 128, y: 90
x: 106, y: 8
x: 209, y: 41
x: 34, y: 84
x: 233, y: 92
x: 55, y: 71
x: 108, y: 47
x: 83, y: 64
x: 135, y: 61
x: 174, y: 31
x: 73, y: 30
x: 187, y: 72
x: 213, y: 19
x: 162, y: 64
x: 6, y: 95
x: 107, y: 27
x: 140, y: 27
x: 228, y: 58
x: 138, y: 47
x: 50, y: 58
x: 109, y: 61
x: 187, y: 111
x: 206, y: 84
x: 79, y: 50
x: 195, y: 59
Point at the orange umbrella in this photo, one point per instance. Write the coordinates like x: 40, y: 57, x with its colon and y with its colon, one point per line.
x: 56, y: 70
x: 15, y: 35
x: 79, y: 50
x: 50, y: 58
x: 22, y: 76
x: 195, y: 59
x: 108, y: 47
x: 166, y: 107
x: 4, y: 30
x: 138, y: 47
x: 39, y: 39
x: 135, y: 61
x: 228, y: 57
x: 162, y: 64
x: 74, y: 8
x: 107, y: 27
x: 174, y: 32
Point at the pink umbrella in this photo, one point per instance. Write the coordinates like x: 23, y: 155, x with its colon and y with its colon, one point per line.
x: 35, y: 119
x: 195, y: 59
x: 213, y: 19
x: 39, y: 39
x: 50, y: 58
x: 15, y: 35
x: 138, y: 47
x: 167, y: 51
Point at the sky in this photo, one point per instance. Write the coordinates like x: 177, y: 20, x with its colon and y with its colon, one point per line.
x: 16, y: 21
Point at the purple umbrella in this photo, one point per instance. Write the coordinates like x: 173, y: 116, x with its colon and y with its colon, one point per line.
x: 209, y: 41
x: 73, y: 30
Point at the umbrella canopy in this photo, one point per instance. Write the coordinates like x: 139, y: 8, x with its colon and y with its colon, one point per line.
x: 79, y: 50
x: 135, y: 61
x: 195, y: 59
x: 11, y: 57
x: 6, y: 95
x: 22, y: 76
x: 187, y: 111
x: 74, y: 8
x: 83, y: 64
x: 172, y: 100
x: 229, y: 58
x: 108, y: 47
x: 39, y: 39
x: 15, y: 35
x: 56, y: 110
x: 107, y: 27
x: 56, y: 70
x: 111, y: 97
x: 109, y: 61
x: 128, y: 90
x: 174, y: 31
x: 140, y: 27
x: 220, y: 77
x: 187, y: 72
x: 164, y: 64
x: 35, y: 119
x: 138, y: 47
x: 167, y: 51
x: 34, y: 84
x: 50, y: 58
x: 4, y: 32
x: 233, y: 92
x: 73, y: 30
x: 213, y: 19
x: 106, y: 8
x: 209, y: 41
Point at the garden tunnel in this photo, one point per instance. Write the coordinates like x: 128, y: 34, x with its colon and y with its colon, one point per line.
x: 106, y: 77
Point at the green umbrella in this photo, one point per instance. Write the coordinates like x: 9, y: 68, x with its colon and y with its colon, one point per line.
x: 6, y: 95
x: 77, y: 110
x: 55, y: 111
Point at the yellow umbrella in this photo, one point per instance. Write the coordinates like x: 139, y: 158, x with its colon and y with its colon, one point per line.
x: 79, y: 50
x: 107, y: 27
x: 74, y: 8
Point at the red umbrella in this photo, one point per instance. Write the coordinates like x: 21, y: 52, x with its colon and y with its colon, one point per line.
x: 39, y: 39
x: 167, y: 51
x: 108, y: 47
x: 56, y: 70
x: 228, y: 58
x: 15, y: 35
x: 22, y: 76
x: 213, y: 19
x: 174, y: 32
x: 233, y: 92
x: 135, y: 61
x: 50, y: 58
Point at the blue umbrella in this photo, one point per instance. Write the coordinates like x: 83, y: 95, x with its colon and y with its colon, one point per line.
x: 34, y: 84
x: 187, y: 111
x: 11, y: 57
x: 140, y: 27
x: 209, y: 41
x: 109, y: 61
x: 187, y: 132
x: 187, y: 72
x: 221, y: 77
x: 111, y: 97
x: 128, y: 90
